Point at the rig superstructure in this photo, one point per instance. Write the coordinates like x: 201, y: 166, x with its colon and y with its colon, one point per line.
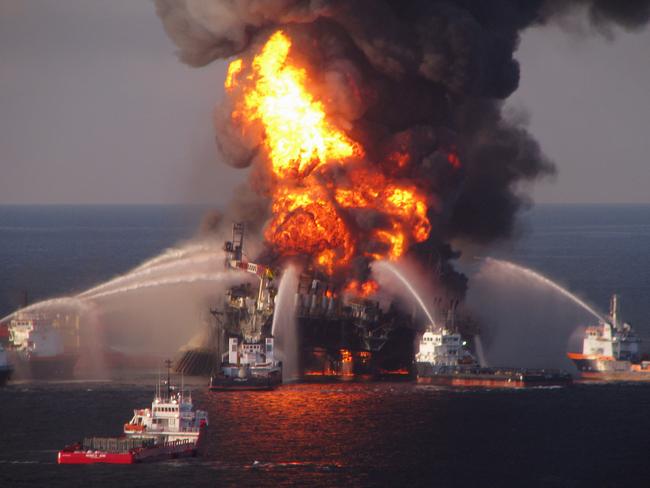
x: 244, y: 321
x: 340, y: 334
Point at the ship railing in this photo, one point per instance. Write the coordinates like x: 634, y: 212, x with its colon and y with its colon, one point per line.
x: 115, y: 444
x: 178, y: 442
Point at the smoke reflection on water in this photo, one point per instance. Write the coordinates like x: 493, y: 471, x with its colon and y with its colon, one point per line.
x: 526, y: 321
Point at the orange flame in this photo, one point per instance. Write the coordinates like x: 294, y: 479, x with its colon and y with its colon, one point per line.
x: 363, y: 290
x: 453, y: 159
x: 298, y: 136
x: 234, y: 69
x: 306, y: 222
x: 311, y: 210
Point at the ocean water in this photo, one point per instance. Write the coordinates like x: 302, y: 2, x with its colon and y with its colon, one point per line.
x: 48, y: 251
x: 593, y: 250
x: 332, y: 435
x: 360, y: 434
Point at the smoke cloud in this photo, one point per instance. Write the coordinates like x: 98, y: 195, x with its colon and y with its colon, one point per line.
x: 423, y: 80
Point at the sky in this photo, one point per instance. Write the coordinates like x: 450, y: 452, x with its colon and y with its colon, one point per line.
x: 95, y: 108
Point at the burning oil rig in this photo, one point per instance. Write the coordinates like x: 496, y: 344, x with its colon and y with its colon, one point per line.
x: 337, y: 200
x: 339, y: 334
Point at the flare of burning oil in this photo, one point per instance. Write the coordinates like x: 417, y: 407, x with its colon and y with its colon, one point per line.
x: 313, y: 215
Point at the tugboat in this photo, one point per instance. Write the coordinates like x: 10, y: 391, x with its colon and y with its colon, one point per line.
x: 610, y: 351
x: 5, y: 367
x: 248, y: 368
x: 443, y: 360
x: 249, y: 363
x: 171, y: 428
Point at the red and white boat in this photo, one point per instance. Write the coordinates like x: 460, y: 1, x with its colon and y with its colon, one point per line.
x: 611, y: 350
x: 171, y: 428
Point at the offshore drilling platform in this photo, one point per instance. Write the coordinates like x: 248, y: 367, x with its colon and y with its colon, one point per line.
x: 337, y: 202
x: 340, y: 333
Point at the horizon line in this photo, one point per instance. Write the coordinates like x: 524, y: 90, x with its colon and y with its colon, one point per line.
x: 214, y: 205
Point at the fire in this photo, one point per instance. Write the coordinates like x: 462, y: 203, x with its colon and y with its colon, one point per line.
x: 234, y: 69
x: 403, y: 205
x: 453, y: 159
x: 400, y: 159
x: 364, y: 290
x: 346, y: 356
x: 395, y: 372
x: 320, y: 179
x: 306, y: 222
x: 298, y: 136
x: 394, y: 240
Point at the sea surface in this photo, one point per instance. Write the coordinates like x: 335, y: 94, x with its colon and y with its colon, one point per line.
x: 347, y: 434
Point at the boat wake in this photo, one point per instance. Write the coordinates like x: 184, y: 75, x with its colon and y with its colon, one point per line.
x: 312, y: 466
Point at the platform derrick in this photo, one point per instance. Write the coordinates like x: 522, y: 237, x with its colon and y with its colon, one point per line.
x: 249, y: 311
x: 245, y: 322
x: 245, y: 315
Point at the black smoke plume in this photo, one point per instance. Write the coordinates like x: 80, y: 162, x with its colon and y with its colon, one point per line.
x: 423, y: 77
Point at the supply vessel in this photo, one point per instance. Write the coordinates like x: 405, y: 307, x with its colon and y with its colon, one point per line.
x: 170, y: 428
x: 611, y: 350
x: 43, y: 347
x: 444, y: 360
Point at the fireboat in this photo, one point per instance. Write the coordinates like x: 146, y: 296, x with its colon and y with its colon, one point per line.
x: 444, y: 360
x: 610, y: 350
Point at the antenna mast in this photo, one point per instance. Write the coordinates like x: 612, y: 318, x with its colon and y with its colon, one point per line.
x: 168, y: 363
